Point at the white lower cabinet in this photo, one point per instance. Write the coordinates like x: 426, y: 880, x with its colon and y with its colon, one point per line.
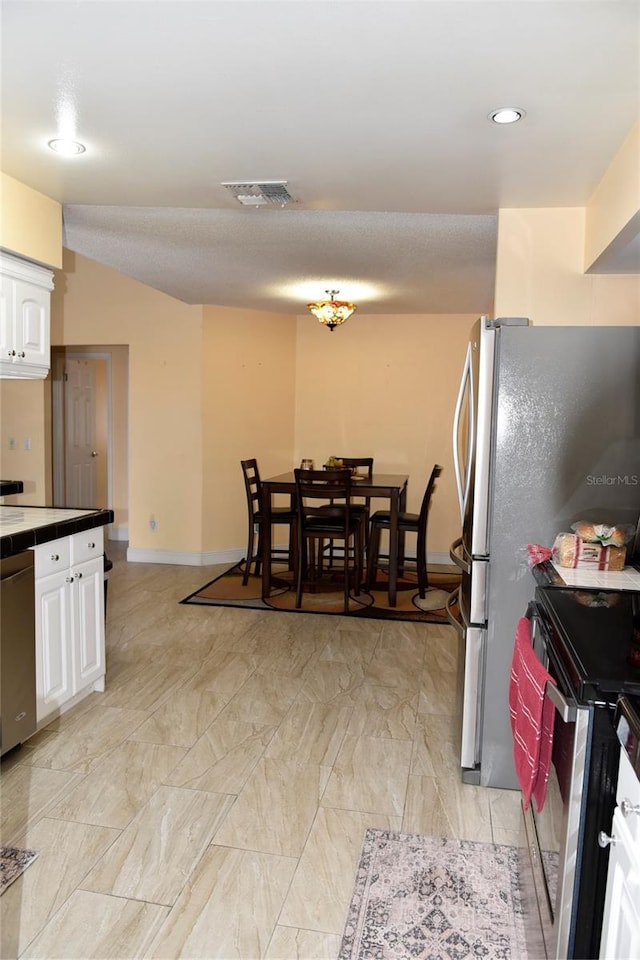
x: 89, y: 622
x: 70, y: 649
x: 54, y: 683
x: 621, y: 926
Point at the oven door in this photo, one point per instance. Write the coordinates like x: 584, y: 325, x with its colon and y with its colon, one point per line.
x: 555, y: 833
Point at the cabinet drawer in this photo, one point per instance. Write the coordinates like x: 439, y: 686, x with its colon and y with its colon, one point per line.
x: 87, y: 545
x: 629, y: 790
x: 51, y: 557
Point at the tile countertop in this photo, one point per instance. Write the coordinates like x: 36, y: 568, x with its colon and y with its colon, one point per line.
x: 550, y: 574
x: 24, y: 527
x: 627, y: 579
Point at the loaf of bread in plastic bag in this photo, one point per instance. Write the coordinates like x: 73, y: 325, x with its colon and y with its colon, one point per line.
x: 570, y: 550
x: 603, y: 533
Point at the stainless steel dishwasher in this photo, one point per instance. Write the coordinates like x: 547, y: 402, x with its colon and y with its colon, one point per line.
x: 17, y: 651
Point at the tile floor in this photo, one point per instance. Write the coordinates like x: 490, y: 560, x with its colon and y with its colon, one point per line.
x: 211, y: 803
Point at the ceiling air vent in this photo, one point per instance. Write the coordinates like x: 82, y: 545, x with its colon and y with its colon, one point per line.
x: 268, y: 192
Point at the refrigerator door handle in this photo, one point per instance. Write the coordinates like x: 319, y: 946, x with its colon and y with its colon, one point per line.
x: 470, y: 669
x: 459, y: 560
x: 471, y: 701
x: 451, y: 617
x: 466, y: 390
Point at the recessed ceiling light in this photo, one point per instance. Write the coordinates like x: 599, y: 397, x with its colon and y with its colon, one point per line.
x: 506, y: 115
x: 68, y: 148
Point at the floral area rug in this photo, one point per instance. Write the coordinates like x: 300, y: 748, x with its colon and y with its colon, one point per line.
x: 13, y: 862
x: 434, y: 898
x: 327, y: 595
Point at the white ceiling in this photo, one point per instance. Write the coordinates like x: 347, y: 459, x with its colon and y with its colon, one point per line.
x: 375, y: 113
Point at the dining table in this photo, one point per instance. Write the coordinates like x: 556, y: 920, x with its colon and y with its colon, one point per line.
x: 384, y: 486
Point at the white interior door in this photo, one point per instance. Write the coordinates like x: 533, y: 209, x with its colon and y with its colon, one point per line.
x: 80, y: 449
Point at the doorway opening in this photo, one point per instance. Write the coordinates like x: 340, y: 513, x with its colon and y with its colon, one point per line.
x: 89, y: 431
x: 81, y: 436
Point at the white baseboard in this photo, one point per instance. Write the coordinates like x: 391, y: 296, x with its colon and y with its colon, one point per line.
x: 189, y: 558
x: 440, y: 557
x: 202, y: 559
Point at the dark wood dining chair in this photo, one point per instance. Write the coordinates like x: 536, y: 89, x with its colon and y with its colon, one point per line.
x: 285, y: 515
x: 319, y: 521
x: 363, y: 466
x: 407, y: 523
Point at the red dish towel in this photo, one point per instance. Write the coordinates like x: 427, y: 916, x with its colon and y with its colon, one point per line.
x: 531, y: 714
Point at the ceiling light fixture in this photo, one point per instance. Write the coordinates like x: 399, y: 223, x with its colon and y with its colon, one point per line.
x: 507, y: 115
x: 332, y: 313
x: 67, y: 148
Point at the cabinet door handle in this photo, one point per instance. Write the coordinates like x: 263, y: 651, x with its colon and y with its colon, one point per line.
x: 604, y: 840
x: 68, y: 579
x: 12, y: 353
x: 23, y: 354
x: 627, y: 808
x: 91, y: 546
x: 55, y: 556
x: 78, y: 576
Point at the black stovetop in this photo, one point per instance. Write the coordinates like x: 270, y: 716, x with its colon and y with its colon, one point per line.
x: 597, y: 634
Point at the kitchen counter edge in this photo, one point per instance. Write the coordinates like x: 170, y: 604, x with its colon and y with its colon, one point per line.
x: 11, y: 544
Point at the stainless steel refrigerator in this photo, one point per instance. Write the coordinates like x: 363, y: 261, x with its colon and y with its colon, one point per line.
x: 546, y: 432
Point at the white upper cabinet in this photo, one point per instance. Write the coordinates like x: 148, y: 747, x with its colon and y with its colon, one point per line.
x: 25, y: 293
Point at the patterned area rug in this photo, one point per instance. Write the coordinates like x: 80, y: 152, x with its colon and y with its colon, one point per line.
x: 13, y: 862
x: 327, y: 595
x: 434, y: 898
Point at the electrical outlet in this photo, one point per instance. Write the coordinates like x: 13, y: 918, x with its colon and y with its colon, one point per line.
x: 153, y: 523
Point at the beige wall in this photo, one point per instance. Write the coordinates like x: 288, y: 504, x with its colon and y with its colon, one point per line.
x: 614, y: 208
x: 164, y: 339
x: 24, y: 415
x: 248, y: 404
x: 120, y: 436
x: 539, y: 272
x: 385, y: 386
x: 30, y: 223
